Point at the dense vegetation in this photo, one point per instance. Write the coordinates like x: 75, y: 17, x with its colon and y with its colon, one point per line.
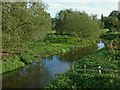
x: 27, y: 35
x: 111, y: 22
x: 76, y: 23
x: 22, y: 24
x: 108, y: 57
x: 90, y: 79
x: 50, y: 46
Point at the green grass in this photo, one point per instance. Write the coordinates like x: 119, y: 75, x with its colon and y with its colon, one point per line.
x: 10, y: 65
x: 52, y: 31
x: 103, y: 31
x: 100, y: 58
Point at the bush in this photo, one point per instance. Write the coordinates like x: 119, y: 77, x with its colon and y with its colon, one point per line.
x: 27, y: 59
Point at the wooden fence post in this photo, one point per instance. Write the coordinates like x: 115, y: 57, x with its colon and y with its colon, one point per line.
x: 99, y: 69
x: 73, y: 68
x: 85, y: 68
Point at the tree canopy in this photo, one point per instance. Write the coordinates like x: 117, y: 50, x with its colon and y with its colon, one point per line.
x: 114, y: 13
x: 111, y: 23
x: 21, y: 23
x: 76, y: 23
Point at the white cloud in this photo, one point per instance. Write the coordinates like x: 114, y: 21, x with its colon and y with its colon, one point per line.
x: 55, y: 5
x: 83, y: 8
x: 91, y: 7
x: 82, y: 1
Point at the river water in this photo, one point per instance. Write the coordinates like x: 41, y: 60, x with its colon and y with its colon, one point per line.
x: 38, y: 74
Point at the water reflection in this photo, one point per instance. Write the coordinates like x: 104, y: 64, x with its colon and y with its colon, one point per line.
x: 78, y: 53
x: 56, y: 65
x: 30, y: 76
x: 101, y: 45
x: 40, y: 72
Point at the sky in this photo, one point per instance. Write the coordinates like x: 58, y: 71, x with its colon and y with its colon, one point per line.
x: 89, y: 6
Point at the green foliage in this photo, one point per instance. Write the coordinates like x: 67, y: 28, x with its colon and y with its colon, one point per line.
x: 53, y: 23
x: 114, y: 13
x: 75, y: 81
x: 60, y: 18
x: 100, y: 58
x: 102, y: 17
x: 55, y: 39
x: 103, y: 31
x: 118, y: 23
x: 110, y: 23
x: 109, y: 36
x: 98, y: 21
x: 27, y: 59
x: 76, y: 23
x: 111, y: 41
x: 52, y: 45
x: 10, y: 65
x: 118, y: 16
x: 21, y: 24
x: 89, y: 79
x: 101, y: 24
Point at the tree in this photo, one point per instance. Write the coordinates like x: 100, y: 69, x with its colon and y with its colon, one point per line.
x: 77, y: 23
x: 98, y: 21
x: 22, y: 24
x: 114, y: 13
x: 119, y: 16
x: 119, y: 22
x: 60, y: 18
x: 53, y: 23
x: 102, y: 17
x: 111, y: 23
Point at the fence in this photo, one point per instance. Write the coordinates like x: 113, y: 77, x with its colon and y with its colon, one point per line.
x: 99, y: 70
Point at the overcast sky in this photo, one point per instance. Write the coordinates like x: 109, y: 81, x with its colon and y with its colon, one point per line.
x: 89, y: 6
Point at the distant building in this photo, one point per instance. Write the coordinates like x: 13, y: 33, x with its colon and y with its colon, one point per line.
x: 119, y: 6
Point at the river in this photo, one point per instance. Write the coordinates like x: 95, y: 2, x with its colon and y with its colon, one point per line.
x: 38, y: 74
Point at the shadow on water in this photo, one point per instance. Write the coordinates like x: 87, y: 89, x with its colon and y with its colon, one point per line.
x: 37, y: 74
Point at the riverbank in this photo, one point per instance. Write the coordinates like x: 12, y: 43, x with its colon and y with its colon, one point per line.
x: 82, y: 79
x: 52, y: 44
x: 107, y: 58
x: 38, y: 74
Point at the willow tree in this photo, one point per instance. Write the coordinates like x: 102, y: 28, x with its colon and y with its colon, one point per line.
x: 22, y: 23
x: 78, y: 24
x: 60, y: 20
